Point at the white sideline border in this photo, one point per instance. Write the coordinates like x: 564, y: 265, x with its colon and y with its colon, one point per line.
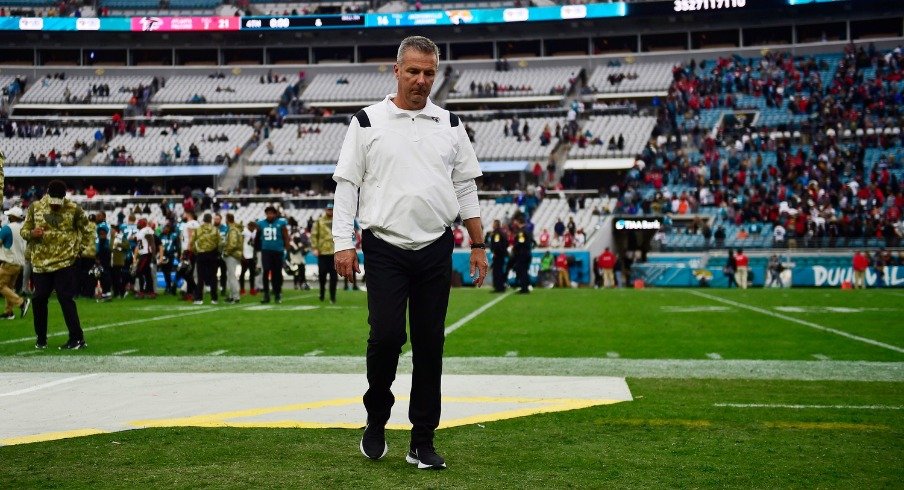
x: 805, y: 323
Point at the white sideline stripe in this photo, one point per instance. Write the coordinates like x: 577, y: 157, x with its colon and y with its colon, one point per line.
x: 28, y: 352
x: 613, y: 355
x: 511, y: 353
x: 714, y: 355
x: 798, y: 321
x: 314, y: 353
x: 218, y: 353
x: 124, y: 352
x: 470, y: 316
x: 822, y: 357
x: 804, y: 407
x: 48, y: 385
x: 143, y: 320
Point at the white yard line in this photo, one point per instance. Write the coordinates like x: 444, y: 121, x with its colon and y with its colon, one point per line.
x: 511, y: 353
x: 218, y: 352
x: 313, y: 353
x: 124, y: 352
x: 714, y: 356
x: 798, y: 321
x: 210, y: 309
x: 822, y: 357
x: 613, y: 355
x: 474, y: 314
x: 806, y: 407
x: 47, y: 385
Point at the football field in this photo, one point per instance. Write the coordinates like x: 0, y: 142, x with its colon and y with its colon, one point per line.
x: 559, y: 388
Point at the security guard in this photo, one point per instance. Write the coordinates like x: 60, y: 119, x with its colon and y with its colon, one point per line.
x: 499, y: 246
x: 53, y: 229
x: 521, y: 255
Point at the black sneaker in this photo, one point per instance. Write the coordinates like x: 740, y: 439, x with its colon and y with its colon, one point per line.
x: 40, y: 346
x: 78, y: 344
x: 265, y: 300
x: 8, y: 316
x: 373, y: 443
x: 23, y: 310
x: 425, y: 458
x: 278, y: 300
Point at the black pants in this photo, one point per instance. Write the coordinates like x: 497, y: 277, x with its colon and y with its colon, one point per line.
x: 249, y: 266
x: 522, y: 263
x: 499, y: 273
x: 143, y: 271
x: 327, y: 267
x: 301, y: 276
x: 106, y: 278
x: 65, y: 282
x: 271, y: 262
x: 86, y: 281
x: 207, y: 275
x: 221, y: 266
x: 167, y: 269
x: 419, y: 281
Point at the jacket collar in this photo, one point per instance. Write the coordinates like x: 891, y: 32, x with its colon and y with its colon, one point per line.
x: 430, y: 110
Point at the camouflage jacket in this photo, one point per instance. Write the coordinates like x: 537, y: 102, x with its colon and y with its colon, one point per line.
x: 233, y: 246
x: 89, y: 240
x: 322, y: 236
x: 206, y: 239
x: 62, y: 242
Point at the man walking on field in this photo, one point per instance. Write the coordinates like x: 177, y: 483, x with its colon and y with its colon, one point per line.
x: 414, y: 167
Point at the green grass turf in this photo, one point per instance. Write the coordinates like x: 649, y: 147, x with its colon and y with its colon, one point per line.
x: 670, y: 436
x: 640, y: 324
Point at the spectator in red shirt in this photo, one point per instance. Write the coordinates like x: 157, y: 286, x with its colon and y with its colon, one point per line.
x: 743, y: 268
x: 458, y: 236
x: 860, y: 264
x: 544, y: 238
x: 606, y: 264
x: 563, y: 280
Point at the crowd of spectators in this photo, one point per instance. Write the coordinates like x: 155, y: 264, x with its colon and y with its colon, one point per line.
x: 821, y: 189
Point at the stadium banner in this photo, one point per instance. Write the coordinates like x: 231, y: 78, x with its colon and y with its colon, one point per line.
x: 319, y: 22
x: 809, y: 276
x: 579, y: 265
x: 106, y: 171
x: 298, y: 169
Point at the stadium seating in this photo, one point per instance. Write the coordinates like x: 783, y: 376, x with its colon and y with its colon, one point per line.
x: 491, y: 144
x: 146, y: 150
x: 18, y: 150
x: 346, y: 87
x: 312, y: 147
x: 649, y: 77
x: 527, y: 81
x: 636, y: 131
x: 232, y: 89
x: 52, y: 91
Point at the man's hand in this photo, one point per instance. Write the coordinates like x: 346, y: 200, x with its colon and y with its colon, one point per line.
x: 347, y: 263
x: 479, y: 265
x: 37, y: 232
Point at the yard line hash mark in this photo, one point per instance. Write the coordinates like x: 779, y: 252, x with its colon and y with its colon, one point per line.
x: 805, y: 323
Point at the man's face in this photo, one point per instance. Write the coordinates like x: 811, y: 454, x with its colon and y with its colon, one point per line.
x: 416, y: 74
x: 271, y: 215
x: 329, y: 212
x: 217, y: 219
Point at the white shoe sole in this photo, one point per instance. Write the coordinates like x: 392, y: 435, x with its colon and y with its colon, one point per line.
x: 385, y: 450
x: 422, y: 466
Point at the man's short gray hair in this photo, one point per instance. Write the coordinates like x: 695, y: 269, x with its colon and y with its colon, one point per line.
x: 419, y: 43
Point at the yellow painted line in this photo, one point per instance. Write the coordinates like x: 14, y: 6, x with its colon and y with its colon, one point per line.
x: 524, y: 412
x: 251, y: 412
x: 227, y: 419
x: 50, y: 436
x: 824, y: 425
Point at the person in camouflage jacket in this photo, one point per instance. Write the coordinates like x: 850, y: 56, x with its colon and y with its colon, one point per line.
x: 53, y: 230
x: 232, y: 254
x: 205, y: 242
